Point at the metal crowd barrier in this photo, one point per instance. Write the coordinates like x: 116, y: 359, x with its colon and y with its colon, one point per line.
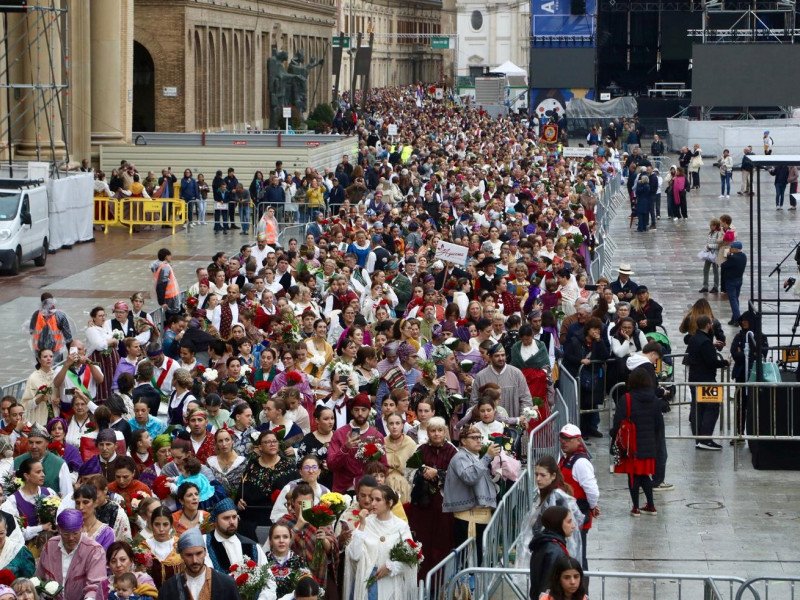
x: 440, y: 576
x: 750, y: 586
x: 570, y: 393
x: 543, y: 440
x: 130, y: 212
x: 295, y: 212
x: 610, y: 585
x: 504, y: 529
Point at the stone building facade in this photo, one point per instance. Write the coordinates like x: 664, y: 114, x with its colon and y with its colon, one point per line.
x: 402, y: 51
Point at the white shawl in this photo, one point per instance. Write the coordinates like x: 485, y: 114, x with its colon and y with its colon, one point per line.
x: 14, y: 543
x: 366, y: 552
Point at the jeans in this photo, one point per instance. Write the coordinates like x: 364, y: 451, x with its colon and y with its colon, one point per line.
x: 655, y: 207
x: 221, y: 216
x: 710, y: 265
x: 780, y: 191
x: 703, y: 416
x: 244, y: 216
x: 733, y: 288
x: 661, y: 462
x: 201, y: 210
x: 725, y: 183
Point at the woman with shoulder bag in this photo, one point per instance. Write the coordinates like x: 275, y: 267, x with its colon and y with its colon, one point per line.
x: 694, y: 166
x: 710, y: 254
x: 642, y: 408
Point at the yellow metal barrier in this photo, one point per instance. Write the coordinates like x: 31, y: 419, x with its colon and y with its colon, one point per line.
x: 106, y: 211
x: 144, y: 211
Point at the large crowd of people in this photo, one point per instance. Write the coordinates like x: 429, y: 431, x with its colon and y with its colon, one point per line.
x: 361, y: 364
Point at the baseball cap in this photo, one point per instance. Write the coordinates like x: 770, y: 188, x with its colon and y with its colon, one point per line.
x: 570, y: 431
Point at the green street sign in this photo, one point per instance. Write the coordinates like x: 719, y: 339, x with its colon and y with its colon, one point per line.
x: 345, y: 42
x: 440, y: 43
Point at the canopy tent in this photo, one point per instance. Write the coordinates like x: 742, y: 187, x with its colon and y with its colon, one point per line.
x: 516, y: 76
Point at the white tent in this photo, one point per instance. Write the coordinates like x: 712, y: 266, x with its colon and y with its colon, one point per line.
x: 517, y: 77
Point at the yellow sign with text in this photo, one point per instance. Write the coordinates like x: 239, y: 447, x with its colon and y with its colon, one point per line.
x: 709, y: 393
x: 791, y: 355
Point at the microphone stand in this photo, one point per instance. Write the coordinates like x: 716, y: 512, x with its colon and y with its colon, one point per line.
x: 777, y: 270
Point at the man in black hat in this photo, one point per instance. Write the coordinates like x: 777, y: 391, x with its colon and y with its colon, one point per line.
x: 450, y: 271
x: 487, y: 281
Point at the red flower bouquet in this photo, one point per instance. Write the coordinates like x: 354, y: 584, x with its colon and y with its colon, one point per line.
x: 294, y: 378
x: 6, y: 577
x: 250, y: 579
x: 161, y: 487
x: 370, y: 450
x: 56, y: 448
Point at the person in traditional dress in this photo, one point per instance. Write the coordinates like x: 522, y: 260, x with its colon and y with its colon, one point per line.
x: 120, y: 559
x: 40, y: 397
x: 310, y: 469
x: 367, y: 554
x: 226, y: 465
x: 226, y: 547
x: 14, y: 555
x: 85, y: 498
x: 101, y: 347
x: 57, y: 428
x: 399, y: 448
x: 22, y: 503
x: 515, y: 395
x: 306, y: 536
x: 73, y: 559
x: 285, y: 565
x: 199, y: 581
x: 108, y: 510
x: 433, y: 527
x: 189, y: 515
x: 532, y: 357
x: 164, y: 561
x: 161, y: 456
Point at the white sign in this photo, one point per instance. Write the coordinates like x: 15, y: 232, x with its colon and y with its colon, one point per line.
x: 170, y: 92
x: 439, y: 93
x: 287, y: 112
x: 452, y: 252
x: 576, y: 152
x: 392, y: 129
x: 605, y: 96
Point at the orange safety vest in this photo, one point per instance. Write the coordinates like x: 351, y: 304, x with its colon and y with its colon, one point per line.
x: 58, y: 337
x: 172, y: 284
x: 271, y: 231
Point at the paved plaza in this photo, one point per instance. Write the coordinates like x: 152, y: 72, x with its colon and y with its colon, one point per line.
x: 717, y: 520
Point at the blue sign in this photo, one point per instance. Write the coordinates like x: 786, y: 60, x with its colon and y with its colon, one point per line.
x: 553, y: 18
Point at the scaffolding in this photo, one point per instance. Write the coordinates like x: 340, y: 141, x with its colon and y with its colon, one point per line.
x: 34, y: 80
x: 749, y: 25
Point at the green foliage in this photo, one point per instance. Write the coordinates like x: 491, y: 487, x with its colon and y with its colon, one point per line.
x: 323, y: 113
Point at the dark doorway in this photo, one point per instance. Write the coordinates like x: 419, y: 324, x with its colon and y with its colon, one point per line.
x: 144, y: 90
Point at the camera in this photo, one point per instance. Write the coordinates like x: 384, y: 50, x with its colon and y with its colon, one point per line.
x: 70, y: 392
x: 590, y: 287
x: 342, y: 378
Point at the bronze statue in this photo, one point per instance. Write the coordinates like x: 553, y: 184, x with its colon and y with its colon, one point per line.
x: 300, y: 82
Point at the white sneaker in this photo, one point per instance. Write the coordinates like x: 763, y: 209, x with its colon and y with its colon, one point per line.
x: 721, y: 196
x: 728, y: 196
x: 675, y: 219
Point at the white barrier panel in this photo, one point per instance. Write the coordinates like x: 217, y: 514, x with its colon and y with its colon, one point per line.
x: 709, y: 134
x: 71, y: 209
x: 786, y: 139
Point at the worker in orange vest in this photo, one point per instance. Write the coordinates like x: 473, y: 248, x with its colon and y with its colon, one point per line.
x: 49, y: 328
x: 167, y: 290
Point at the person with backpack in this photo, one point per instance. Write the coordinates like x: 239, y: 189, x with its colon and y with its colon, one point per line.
x: 638, y: 426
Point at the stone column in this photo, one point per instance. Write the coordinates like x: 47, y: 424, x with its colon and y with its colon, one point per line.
x: 42, y: 119
x: 80, y: 70
x: 108, y: 95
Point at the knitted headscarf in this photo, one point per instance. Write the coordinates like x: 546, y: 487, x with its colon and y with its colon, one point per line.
x: 162, y: 441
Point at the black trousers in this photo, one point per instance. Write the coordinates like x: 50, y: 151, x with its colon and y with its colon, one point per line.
x: 460, y: 536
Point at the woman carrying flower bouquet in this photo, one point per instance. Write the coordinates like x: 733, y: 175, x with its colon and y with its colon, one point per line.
x: 305, y: 537
x: 158, y: 556
x: 40, y: 403
x: 286, y: 566
x: 274, y: 418
x: 126, y: 483
x: 367, y: 554
x: 434, y: 529
x: 310, y: 468
x: 22, y: 503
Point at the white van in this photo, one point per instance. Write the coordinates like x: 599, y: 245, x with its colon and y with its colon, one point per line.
x: 24, y: 223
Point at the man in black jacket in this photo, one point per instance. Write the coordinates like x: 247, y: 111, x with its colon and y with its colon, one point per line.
x: 732, y: 276
x: 197, y: 580
x: 624, y: 287
x: 703, y: 364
